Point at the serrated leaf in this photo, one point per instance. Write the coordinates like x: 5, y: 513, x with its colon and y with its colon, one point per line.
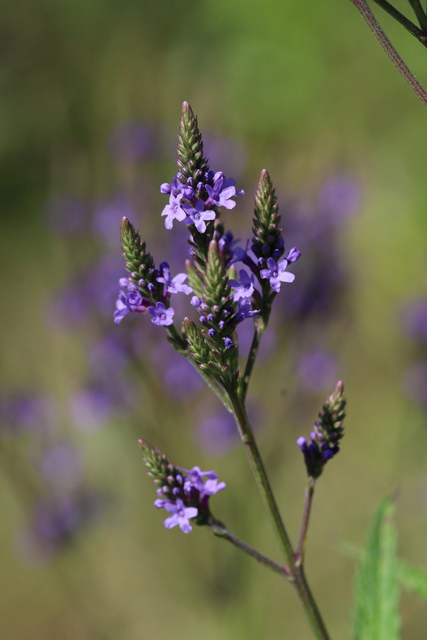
x: 376, y: 615
x: 413, y: 579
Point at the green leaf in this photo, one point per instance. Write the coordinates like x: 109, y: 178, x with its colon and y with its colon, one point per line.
x: 376, y: 614
x: 413, y: 579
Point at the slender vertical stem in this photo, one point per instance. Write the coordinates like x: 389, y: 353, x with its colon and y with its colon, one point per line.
x: 297, y: 576
x: 385, y: 43
x: 260, y: 474
x: 256, y: 341
x: 302, y: 538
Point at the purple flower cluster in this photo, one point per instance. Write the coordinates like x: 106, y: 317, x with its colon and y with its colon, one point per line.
x: 187, y: 496
x: 317, y: 451
x: 326, y: 434
x: 132, y: 300
x: 194, y: 201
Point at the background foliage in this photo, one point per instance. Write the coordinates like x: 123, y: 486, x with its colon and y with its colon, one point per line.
x: 304, y: 91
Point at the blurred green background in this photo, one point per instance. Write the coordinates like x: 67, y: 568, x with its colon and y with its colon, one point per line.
x: 90, y: 101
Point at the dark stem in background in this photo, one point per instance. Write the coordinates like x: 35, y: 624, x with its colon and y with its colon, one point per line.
x: 409, y: 26
x: 391, y: 52
x: 421, y: 17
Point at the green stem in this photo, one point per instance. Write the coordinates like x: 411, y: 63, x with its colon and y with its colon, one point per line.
x: 255, y: 460
x: 297, y: 576
x: 220, y: 530
x: 302, y: 538
x: 256, y: 341
x: 391, y: 52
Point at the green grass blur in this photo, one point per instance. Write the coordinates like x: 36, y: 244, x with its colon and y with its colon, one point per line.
x: 307, y: 92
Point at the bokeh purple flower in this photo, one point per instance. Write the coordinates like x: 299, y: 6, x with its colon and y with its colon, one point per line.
x: 62, y: 467
x: 339, y: 198
x: 317, y: 370
x: 133, y: 141
x: 414, y: 320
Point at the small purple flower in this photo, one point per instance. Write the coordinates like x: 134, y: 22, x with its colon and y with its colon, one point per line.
x: 196, y: 301
x: 277, y: 273
x: 173, y: 210
x: 126, y: 303
x: 294, y: 255
x: 195, y: 481
x: 197, y: 215
x: 174, y: 188
x: 223, y: 190
x: 173, y: 285
x: 180, y: 515
x: 244, y: 311
x: 161, y: 315
x: 244, y: 287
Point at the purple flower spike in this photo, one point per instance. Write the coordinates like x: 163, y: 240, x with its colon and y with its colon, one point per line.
x: 174, y: 285
x: 180, y: 515
x: 223, y: 190
x: 173, y: 210
x: 276, y: 273
x: 197, y: 215
x: 244, y: 287
x: 126, y: 303
x: 161, y: 315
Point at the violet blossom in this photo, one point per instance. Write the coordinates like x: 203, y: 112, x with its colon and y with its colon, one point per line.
x: 197, y: 216
x: 161, y: 315
x: 173, y: 210
x: 180, y: 514
x: 244, y: 287
x: 173, y: 285
x: 223, y: 190
x: 195, y: 481
x: 276, y: 273
x: 126, y: 303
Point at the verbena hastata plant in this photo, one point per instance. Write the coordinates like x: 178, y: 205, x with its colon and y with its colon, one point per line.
x: 223, y: 296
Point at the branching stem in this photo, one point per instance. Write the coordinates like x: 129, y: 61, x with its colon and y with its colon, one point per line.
x: 385, y: 43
